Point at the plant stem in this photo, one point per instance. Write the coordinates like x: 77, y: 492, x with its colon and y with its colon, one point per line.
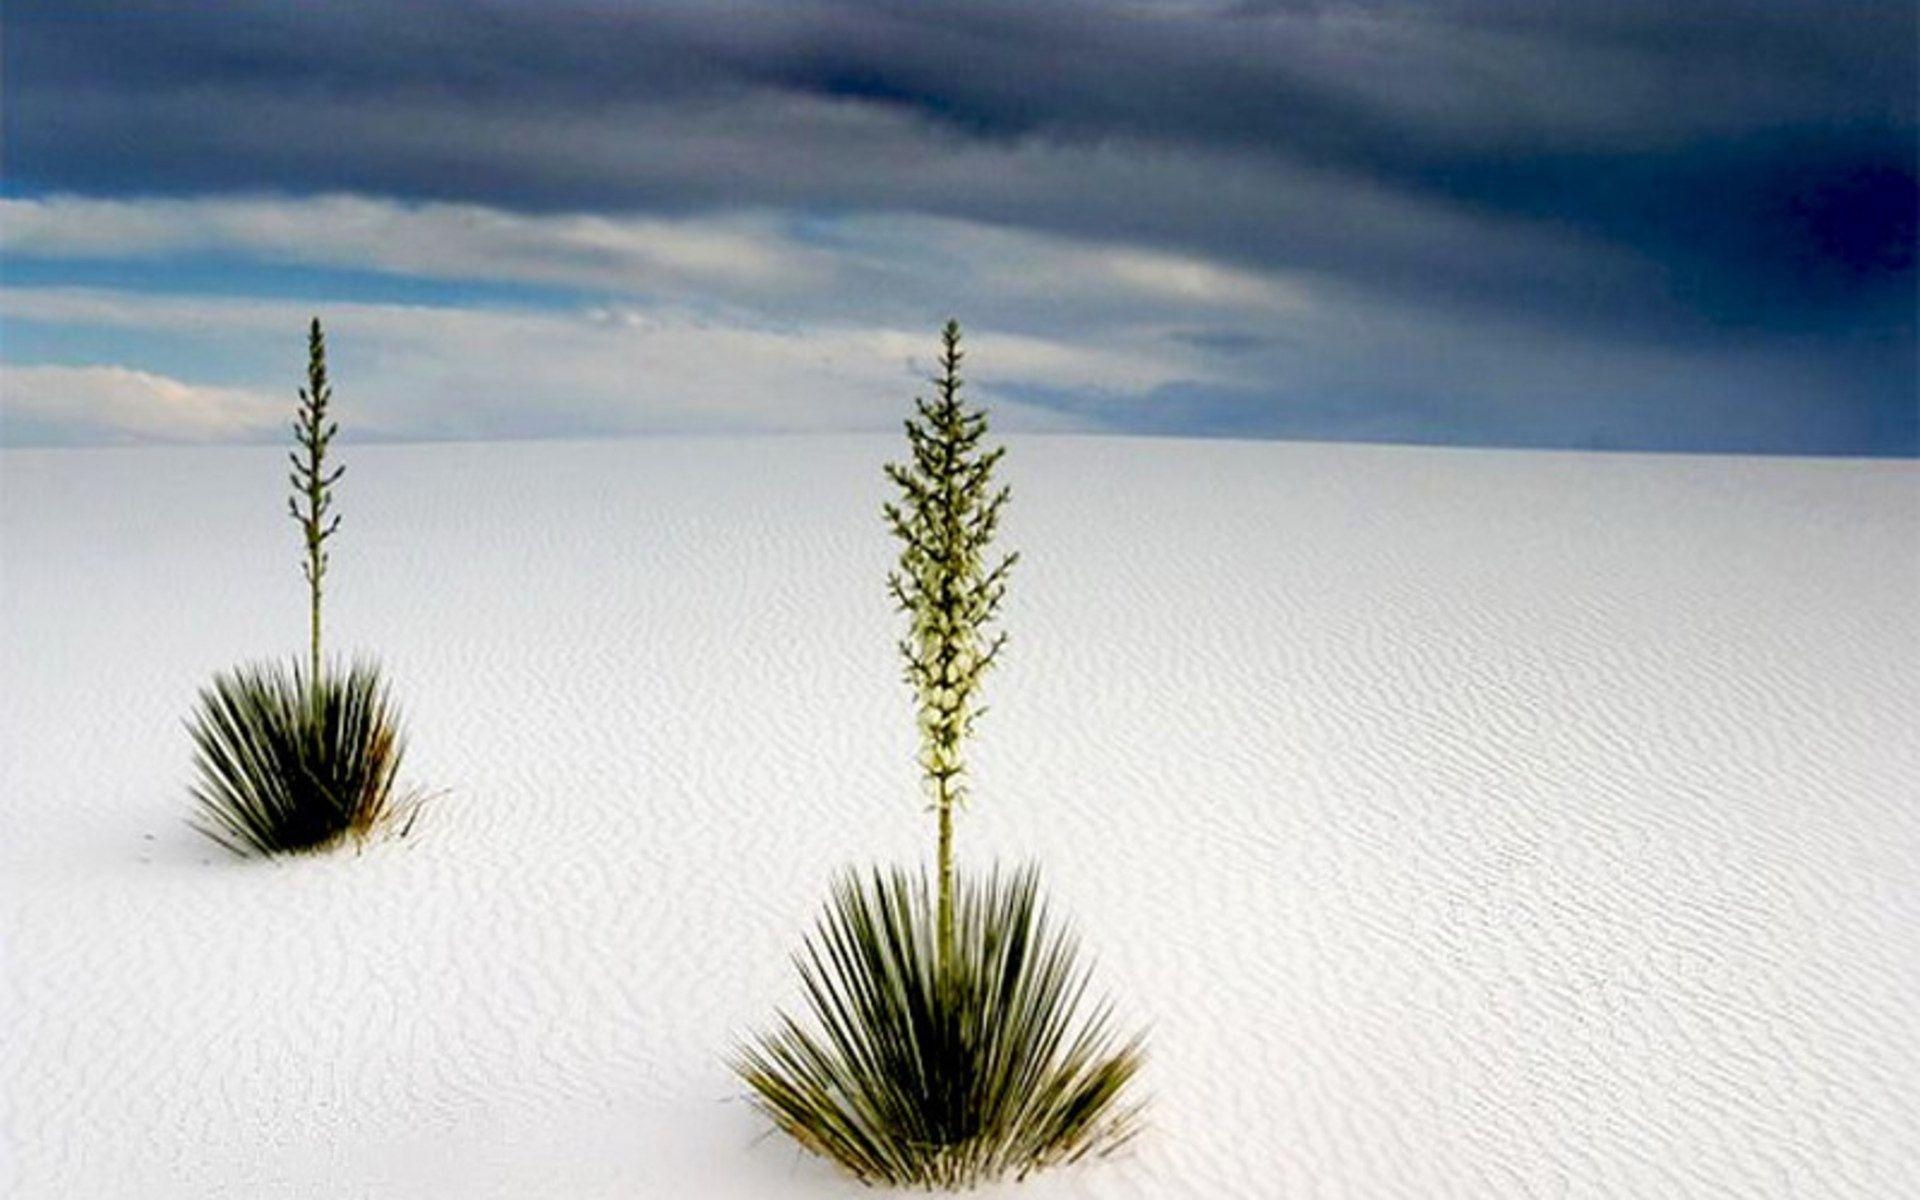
x: 949, y: 386
x: 314, y: 649
x: 946, y: 871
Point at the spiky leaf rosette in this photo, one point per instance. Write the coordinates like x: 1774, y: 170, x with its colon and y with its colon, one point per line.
x: 944, y: 1072
x: 288, y: 763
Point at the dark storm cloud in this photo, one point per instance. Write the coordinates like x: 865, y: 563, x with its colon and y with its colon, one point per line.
x: 1708, y: 173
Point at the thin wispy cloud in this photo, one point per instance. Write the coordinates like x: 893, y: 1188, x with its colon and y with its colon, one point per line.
x: 413, y: 371
x: 759, y: 258
x: 113, y: 404
x: 434, y: 240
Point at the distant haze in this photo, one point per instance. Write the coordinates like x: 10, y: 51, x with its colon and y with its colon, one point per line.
x: 1625, y: 225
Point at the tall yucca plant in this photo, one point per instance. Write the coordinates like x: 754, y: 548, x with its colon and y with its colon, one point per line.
x: 948, y: 1044
x: 298, y: 758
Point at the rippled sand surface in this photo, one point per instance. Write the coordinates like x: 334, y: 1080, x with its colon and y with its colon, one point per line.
x: 1464, y: 824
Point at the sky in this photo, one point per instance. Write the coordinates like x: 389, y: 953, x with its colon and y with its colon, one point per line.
x: 1617, y: 224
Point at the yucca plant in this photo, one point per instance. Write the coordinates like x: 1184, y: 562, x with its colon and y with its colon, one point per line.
x: 294, y: 758
x: 287, y: 766
x: 950, y: 1042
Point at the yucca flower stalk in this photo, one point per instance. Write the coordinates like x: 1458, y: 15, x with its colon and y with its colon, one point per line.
x: 312, y: 483
x: 946, y: 519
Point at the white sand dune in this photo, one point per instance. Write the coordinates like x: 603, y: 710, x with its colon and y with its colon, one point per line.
x: 1465, y: 824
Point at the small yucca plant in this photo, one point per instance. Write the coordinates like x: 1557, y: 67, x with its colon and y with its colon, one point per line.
x: 951, y: 1046
x: 943, y: 1069
x: 287, y: 763
x: 298, y: 758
